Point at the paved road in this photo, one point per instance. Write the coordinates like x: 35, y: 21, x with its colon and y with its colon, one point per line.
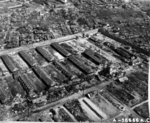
x: 74, y: 96
x: 149, y: 58
x: 43, y: 43
x: 139, y: 104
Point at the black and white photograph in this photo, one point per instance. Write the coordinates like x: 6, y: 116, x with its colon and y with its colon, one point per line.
x: 75, y: 61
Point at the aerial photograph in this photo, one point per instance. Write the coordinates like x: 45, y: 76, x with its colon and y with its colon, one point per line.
x: 74, y: 60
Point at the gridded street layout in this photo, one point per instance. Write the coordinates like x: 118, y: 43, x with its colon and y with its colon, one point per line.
x: 83, y: 77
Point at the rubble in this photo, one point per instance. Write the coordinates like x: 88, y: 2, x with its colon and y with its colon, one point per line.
x: 56, y: 53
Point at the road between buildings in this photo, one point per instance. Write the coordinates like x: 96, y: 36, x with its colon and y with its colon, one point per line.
x: 139, y: 104
x: 48, y: 42
x: 63, y: 100
x: 74, y: 96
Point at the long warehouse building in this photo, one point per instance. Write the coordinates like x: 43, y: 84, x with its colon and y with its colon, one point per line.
x: 61, y: 50
x: 28, y: 59
x: 80, y: 65
x: 43, y: 76
x: 45, y: 54
x: 9, y: 64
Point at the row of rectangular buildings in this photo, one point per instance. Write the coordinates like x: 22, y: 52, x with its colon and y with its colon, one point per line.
x: 41, y: 78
